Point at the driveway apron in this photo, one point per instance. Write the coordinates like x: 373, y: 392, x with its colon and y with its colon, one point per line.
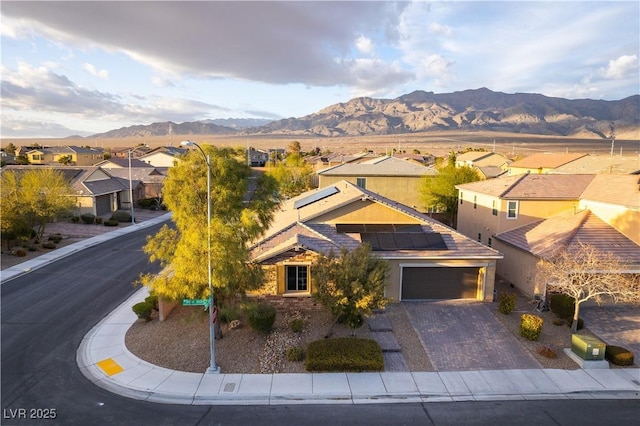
x: 465, y: 335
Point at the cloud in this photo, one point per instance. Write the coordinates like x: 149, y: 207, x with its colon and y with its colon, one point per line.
x: 291, y: 42
x: 364, y: 45
x: 440, y: 30
x: 622, y: 67
x: 91, y: 69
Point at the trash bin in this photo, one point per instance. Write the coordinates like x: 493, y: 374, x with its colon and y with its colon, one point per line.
x: 588, y: 347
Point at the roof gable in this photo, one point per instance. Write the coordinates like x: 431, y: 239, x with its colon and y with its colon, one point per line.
x: 532, y: 186
x: 381, y: 166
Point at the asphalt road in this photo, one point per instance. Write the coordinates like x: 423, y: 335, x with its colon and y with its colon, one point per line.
x: 45, y: 315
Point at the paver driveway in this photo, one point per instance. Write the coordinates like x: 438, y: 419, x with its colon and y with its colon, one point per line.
x: 465, y: 335
x: 616, y: 325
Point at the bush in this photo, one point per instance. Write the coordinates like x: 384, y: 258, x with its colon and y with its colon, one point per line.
x: 344, y: 354
x: 20, y: 253
x: 228, y: 314
x: 531, y: 326
x: 152, y: 300
x: 618, y: 355
x: 49, y: 245
x: 507, y: 302
x: 143, y: 310
x: 548, y: 352
x: 98, y: 221
x: 75, y: 219
x: 296, y: 325
x: 32, y: 248
x: 563, y: 306
x: 262, y: 317
x: 88, y: 218
x: 111, y: 222
x: 55, y: 238
x: 121, y: 216
x: 295, y: 354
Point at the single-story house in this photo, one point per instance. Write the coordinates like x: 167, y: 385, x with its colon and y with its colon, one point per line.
x: 542, y: 163
x: 428, y: 260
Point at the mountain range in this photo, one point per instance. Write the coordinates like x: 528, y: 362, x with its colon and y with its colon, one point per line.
x: 420, y: 111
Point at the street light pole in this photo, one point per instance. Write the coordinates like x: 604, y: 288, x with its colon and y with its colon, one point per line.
x: 131, y: 189
x: 213, y: 368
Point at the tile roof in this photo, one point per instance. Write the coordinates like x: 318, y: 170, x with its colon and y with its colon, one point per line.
x: 602, y: 164
x: 567, y: 231
x: 381, y: 166
x: 546, y: 160
x: 532, y: 186
x: 121, y: 162
x: 622, y: 190
x: 290, y: 223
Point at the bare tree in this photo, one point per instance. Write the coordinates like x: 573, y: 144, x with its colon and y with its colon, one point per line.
x: 587, y: 273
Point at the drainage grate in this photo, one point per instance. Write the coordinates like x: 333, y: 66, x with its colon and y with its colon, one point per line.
x: 229, y: 387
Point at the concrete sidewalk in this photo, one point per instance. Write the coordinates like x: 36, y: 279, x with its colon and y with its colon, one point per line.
x: 104, y: 359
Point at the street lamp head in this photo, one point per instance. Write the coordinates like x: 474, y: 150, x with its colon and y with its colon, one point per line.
x: 187, y: 143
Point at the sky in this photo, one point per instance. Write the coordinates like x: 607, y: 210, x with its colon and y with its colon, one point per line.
x: 86, y: 67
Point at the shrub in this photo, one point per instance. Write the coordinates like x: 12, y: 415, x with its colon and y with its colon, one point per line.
x: 98, y: 221
x: 296, y: 325
x: 558, y: 321
x: 262, y: 317
x: 563, y: 306
x: 152, y: 300
x: 32, y: 248
x: 548, y: 352
x: 507, y: 302
x: 618, y: 355
x: 295, y: 354
x: 143, y: 310
x: 75, y: 219
x: 111, y: 222
x: 88, y: 218
x: 55, y: 238
x: 531, y: 326
x: 49, y: 245
x: 344, y: 354
x: 121, y: 216
x: 20, y: 253
x: 228, y: 314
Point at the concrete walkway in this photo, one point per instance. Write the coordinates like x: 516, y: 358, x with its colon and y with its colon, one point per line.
x: 104, y: 359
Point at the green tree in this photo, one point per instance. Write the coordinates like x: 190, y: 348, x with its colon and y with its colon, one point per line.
x: 588, y: 274
x: 34, y: 197
x: 242, y: 208
x: 351, y: 285
x: 440, y: 191
x: 65, y: 159
x: 294, y: 176
x: 294, y: 147
x: 10, y: 149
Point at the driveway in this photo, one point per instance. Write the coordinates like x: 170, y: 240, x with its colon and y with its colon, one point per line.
x: 465, y: 335
x: 617, y: 325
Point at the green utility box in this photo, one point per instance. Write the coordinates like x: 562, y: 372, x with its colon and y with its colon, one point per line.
x: 587, y: 347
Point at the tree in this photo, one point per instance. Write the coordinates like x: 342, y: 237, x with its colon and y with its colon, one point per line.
x: 294, y: 176
x: 239, y: 214
x: 440, y: 191
x: 65, y: 159
x: 10, y: 149
x: 294, y: 147
x: 351, y: 285
x: 587, y: 273
x: 34, y: 197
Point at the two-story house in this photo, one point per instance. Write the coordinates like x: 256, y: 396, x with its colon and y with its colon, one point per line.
x: 428, y: 260
x: 77, y: 156
x: 391, y: 177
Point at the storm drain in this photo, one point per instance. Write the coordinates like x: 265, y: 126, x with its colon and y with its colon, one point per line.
x: 229, y: 387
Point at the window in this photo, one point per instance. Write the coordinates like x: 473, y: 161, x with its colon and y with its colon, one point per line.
x: 479, y: 237
x: 461, y: 198
x: 489, y: 241
x: 361, y: 183
x: 494, y: 209
x: 297, y: 278
x: 512, y: 210
x: 475, y: 201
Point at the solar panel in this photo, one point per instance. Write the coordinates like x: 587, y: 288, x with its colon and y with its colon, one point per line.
x: 351, y: 228
x: 384, y: 241
x: 435, y: 241
x: 316, y: 196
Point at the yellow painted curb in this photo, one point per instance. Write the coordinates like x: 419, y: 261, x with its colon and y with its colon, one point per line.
x: 110, y: 367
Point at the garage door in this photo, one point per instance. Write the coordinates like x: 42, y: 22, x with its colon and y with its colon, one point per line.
x: 439, y: 283
x: 103, y: 204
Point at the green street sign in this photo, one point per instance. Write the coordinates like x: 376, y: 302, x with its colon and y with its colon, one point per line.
x: 195, y: 302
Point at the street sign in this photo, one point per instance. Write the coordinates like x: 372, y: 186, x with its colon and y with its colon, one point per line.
x: 195, y: 302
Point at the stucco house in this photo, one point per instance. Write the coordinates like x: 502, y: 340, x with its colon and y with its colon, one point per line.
x: 164, y: 156
x: 428, y: 260
x: 526, y: 217
x: 391, y: 177
x: 487, y: 164
x: 79, y: 156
